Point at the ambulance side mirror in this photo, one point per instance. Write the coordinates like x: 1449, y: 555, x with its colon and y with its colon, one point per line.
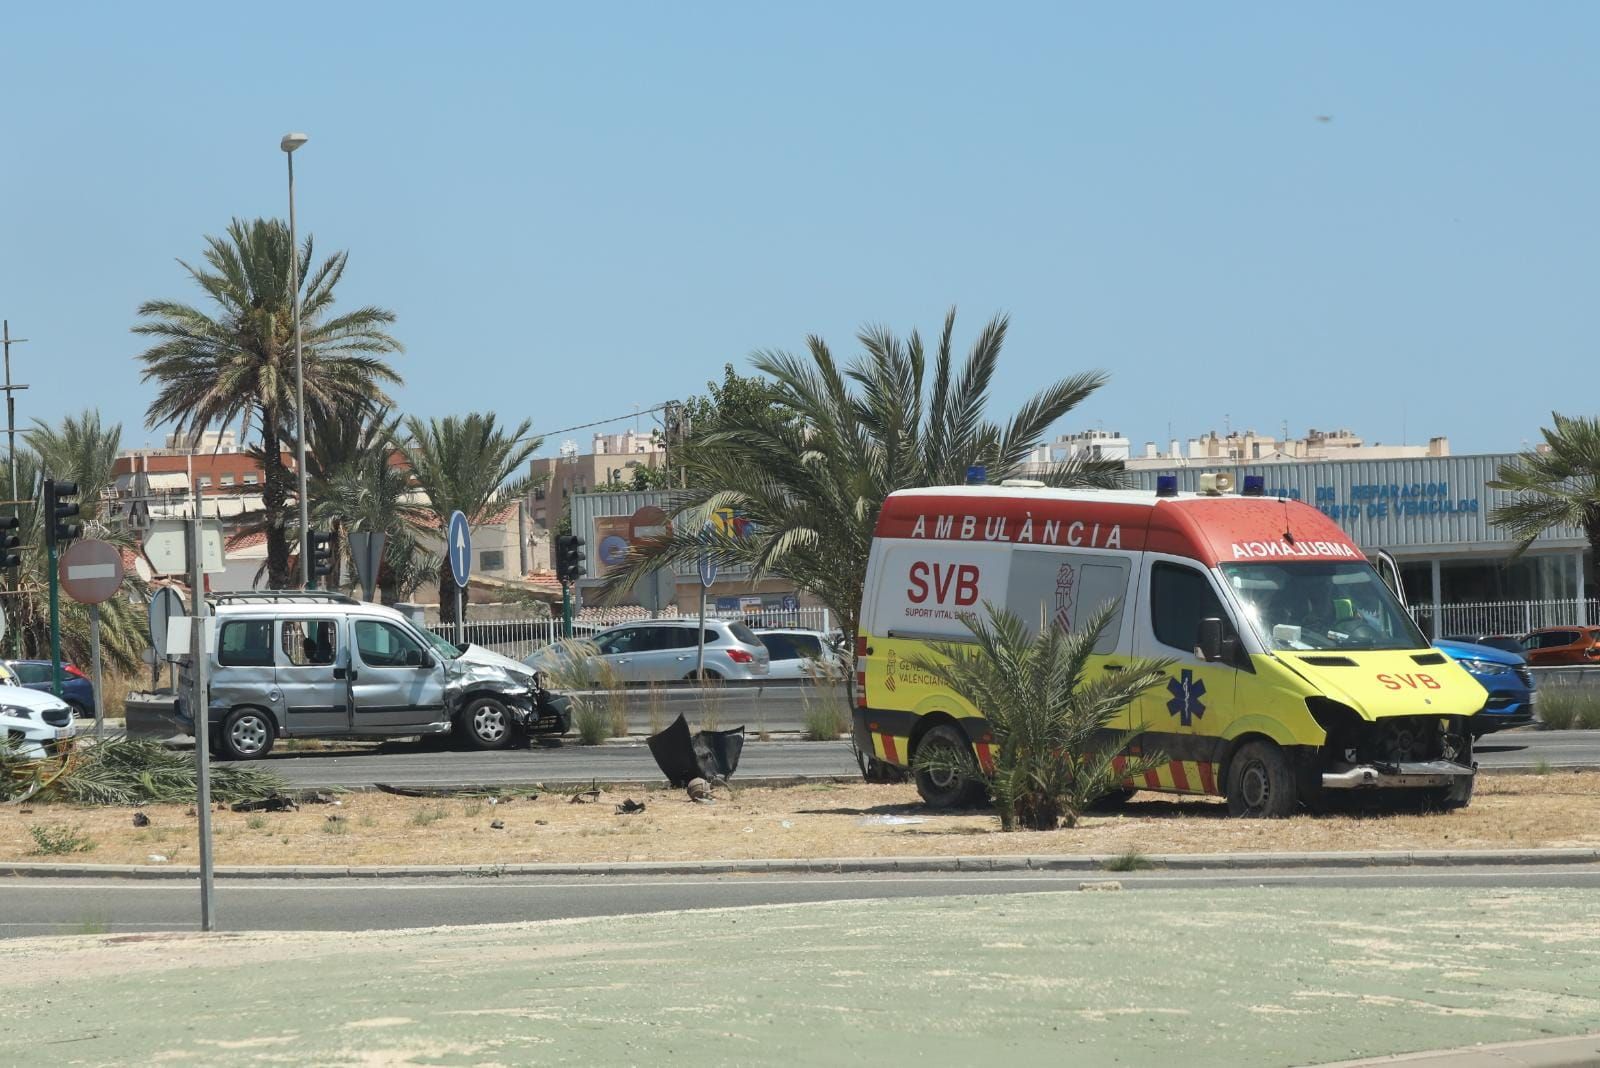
x: 1209, y: 644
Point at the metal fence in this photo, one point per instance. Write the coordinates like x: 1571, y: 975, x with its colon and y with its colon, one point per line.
x: 518, y: 638
x: 1503, y: 617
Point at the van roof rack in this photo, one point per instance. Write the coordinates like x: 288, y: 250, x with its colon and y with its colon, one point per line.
x: 283, y: 597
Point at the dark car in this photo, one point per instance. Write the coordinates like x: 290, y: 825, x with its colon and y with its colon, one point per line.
x: 1506, y: 643
x: 1507, y: 678
x: 76, y: 689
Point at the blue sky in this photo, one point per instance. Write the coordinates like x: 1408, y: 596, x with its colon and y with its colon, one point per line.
x: 577, y: 209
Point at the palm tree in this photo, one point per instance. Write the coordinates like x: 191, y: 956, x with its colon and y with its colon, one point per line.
x: 237, y: 363
x: 1556, y: 487
x: 812, y: 470
x: 81, y: 450
x: 466, y: 464
x: 351, y: 481
x: 1052, y: 756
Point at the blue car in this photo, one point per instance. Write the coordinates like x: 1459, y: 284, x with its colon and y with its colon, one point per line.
x: 1507, y: 678
x: 76, y: 689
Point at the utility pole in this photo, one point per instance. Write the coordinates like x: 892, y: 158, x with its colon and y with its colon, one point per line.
x: 11, y: 412
x: 11, y: 436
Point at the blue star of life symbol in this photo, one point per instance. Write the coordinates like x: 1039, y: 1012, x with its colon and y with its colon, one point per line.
x: 1186, y: 692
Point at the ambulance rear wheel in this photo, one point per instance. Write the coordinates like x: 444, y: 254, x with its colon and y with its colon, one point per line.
x: 1261, y: 782
x: 944, y: 786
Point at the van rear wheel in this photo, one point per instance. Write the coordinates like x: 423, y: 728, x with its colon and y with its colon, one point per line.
x: 246, y: 735
x: 1261, y: 782
x: 945, y: 786
x: 487, y: 723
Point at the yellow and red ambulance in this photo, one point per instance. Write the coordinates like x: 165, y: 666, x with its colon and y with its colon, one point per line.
x: 1296, y: 672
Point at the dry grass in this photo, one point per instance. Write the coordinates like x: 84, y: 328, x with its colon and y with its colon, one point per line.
x: 824, y: 820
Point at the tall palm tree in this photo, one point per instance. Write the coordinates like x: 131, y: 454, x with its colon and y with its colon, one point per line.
x: 468, y: 464
x: 236, y: 363
x: 811, y: 471
x: 1556, y: 487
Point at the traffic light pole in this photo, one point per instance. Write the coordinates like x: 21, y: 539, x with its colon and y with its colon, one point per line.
x: 566, y: 609
x: 55, y: 617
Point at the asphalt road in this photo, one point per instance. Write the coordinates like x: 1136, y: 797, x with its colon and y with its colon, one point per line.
x: 410, y: 764
x: 37, y: 906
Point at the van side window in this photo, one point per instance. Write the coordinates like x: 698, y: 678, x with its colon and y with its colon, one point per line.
x: 1066, y: 589
x: 309, y: 642
x: 384, y: 645
x: 1180, y: 597
x: 245, y: 643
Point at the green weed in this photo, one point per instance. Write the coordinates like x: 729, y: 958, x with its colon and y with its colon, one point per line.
x: 1132, y: 860
x: 53, y: 841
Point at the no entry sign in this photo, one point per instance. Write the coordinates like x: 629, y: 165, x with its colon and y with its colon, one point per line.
x: 91, y: 571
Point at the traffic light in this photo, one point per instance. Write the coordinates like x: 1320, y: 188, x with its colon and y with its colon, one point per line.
x: 569, y: 557
x: 59, y: 507
x: 321, y: 555
x: 9, y: 543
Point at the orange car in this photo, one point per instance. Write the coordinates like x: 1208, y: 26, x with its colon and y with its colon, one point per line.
x: 1549, y: 646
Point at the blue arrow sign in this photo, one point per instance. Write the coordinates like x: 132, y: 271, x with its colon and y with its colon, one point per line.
x: 458, y: 543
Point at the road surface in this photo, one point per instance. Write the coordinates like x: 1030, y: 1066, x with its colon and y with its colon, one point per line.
x: 1176, y: 974
x: 410, y: 764
x: 66, y: 906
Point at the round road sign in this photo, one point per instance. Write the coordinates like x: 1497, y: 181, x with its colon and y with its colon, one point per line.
x: 164, y: 604
x: 91, y: 571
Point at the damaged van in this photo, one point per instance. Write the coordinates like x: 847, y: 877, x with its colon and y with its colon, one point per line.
x: 1296, y: 674
x: 310, y: 664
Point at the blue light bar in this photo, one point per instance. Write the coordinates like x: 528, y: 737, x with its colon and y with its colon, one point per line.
x: 1255, y: 485
x: 1166, y: 485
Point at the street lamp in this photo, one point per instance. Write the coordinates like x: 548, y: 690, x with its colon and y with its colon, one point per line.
x: 290, y: 142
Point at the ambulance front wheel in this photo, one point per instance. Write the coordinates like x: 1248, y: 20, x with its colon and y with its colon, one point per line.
x: 1261, y: 782
x: 942, y: 786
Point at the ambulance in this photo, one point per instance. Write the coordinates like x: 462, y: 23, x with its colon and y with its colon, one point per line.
x: 1296, y: 674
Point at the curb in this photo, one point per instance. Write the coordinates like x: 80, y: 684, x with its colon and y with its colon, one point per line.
x: 828, y: 865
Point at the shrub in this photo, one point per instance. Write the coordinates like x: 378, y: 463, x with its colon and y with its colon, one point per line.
x: 1051, y: 759
x: 56, y: 841
x: 591, y: 724
x: 1563, y: 708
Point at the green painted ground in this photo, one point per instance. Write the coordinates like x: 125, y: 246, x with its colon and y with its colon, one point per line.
x: 1235, y: 977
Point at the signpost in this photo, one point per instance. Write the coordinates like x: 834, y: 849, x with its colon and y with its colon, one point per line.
x: 366, y: 549
x: 708, y: 575
x: 458, y: 544
x: 165, y: 604
x: 199, y: 706
x: 91, y: 572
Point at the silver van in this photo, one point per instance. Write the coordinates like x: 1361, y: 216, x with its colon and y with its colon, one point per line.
x: 310, y: 664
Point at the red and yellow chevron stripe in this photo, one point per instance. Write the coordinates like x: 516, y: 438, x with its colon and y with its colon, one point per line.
x: 1178, y: 776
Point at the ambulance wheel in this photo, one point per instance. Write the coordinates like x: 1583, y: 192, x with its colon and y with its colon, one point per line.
x: 1261, y: 782
x: 945, y: 787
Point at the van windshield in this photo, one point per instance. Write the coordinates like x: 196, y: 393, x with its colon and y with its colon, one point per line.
x: 440, y: 646
x: 1322, y: 606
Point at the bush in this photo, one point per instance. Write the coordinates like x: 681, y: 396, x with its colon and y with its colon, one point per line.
x: 591, y: 723
x: 1051, y: 757
x: 1565, y: 707
x: 56, y: 841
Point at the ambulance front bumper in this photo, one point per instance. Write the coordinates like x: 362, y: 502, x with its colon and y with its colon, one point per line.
x: 1380, y: 776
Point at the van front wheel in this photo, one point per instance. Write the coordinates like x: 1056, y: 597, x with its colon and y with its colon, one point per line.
x: 944, y: 786
x: 487, y: 722
x: 1261, y: 782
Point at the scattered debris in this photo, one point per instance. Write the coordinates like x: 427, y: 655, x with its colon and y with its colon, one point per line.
x: 699, y: 790
x: 498, y: 825
x: 192, y: 811
x: 629, y: 806
x: 273, y: 802
x: 890, y: 821
x: 542, y: 823
x: 156, y: 858
x: 319, y: 797
x: 683, y: 755
x: 1109, y: 884
x: 141, y: 820
x: 786, y: 824
x: 586, y: 797
x: 334, y: 817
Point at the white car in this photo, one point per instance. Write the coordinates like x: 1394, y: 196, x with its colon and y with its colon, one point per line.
x: 660, y: 650
x: 801, y: 654
x: 33, y: 721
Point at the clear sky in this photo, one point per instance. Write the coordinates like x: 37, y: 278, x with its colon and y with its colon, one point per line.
x: 1380, y: 216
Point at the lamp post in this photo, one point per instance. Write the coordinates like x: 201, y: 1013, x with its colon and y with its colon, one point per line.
x: 290, y: 142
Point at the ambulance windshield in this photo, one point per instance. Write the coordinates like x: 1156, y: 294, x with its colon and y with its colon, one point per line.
x: 1322, y: 606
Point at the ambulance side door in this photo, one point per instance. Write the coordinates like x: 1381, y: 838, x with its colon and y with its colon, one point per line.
x: 1065, y: 589
x: 1198, y: 698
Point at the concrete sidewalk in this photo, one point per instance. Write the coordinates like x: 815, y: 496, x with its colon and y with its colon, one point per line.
x: 1581, y: 1052
x: 1238, y: 978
